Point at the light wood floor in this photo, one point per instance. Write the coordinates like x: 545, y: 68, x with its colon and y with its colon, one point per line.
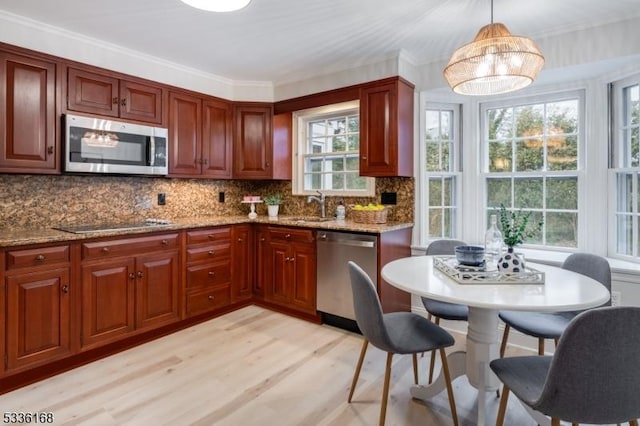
x: 249, y: 367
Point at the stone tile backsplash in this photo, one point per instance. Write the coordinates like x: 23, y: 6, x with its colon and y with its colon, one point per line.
x: 34, y: 201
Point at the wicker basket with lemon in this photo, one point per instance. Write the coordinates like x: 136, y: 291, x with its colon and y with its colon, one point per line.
x: 371, y: 213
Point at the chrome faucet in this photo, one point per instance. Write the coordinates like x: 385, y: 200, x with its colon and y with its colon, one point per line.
x: 320, y: 200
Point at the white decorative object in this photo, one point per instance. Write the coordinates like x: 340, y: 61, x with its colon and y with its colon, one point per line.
x: 511, y: 262
x: 272, y: 211
x: 252, y: 213
x: 478, y: 275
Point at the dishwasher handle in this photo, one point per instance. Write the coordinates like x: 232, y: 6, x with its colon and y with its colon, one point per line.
x: 347, y: 242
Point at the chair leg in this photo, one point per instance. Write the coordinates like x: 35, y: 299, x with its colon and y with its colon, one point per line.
x: 365, y: 343
x: 415, y: 368
x: 385, y: 389
x: 503, y: 406
x: 505, y: 336
x: 432, y: 365
x: 447, y: 378
x: 633, y: 422
x: 555, y: 421
x: 540, y: 346
x: 429, y: 318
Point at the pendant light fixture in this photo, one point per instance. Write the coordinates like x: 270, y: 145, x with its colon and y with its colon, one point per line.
x: 494, y: 62
x: 218, y: 5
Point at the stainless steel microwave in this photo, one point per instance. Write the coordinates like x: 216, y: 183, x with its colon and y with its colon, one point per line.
x: 96, y: 145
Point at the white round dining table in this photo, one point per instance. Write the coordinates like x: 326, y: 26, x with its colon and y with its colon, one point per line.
x: 562, y: 290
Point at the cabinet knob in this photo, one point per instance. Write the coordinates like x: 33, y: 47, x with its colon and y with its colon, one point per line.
x: 132, y: 276
x: 288, y: 236
x: 205, y: 161
x: 105, y: 249
x: 140, y: 274
x: 267, y: 165
x: 40, y: 257
x: 49, y: 150
x: 212, y: 274
x: 211, y: 236
x: 114, y: 100
x: 262, y: 239
x: 123, y: 102
x: 291, y: 259
x: 211, y: 297
x: 165, y: 242
x: 65, y: 288
x: 240, y: 240
x: 210, y: 252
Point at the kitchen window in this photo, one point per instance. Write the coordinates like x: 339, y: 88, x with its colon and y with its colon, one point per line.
x: 625, y: 168
x: 532, y: 162
x: 440, y: 170
x: 327, y: 157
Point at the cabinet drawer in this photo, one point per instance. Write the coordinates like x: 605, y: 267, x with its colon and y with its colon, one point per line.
x: 37, y: 257
x: 199, y: 301
x: 209, y: 235
x: 211, y: 252
x: 127, y: 246
x: 288, y: 234
x: 209, y: 274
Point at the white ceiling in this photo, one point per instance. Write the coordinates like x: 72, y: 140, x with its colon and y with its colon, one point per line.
x: 281, y: 41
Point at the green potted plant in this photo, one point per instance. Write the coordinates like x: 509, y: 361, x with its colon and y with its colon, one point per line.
x: 273, y: 205
x: 516, y: 228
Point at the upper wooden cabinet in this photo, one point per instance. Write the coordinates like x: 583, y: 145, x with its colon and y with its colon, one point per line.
x: 253, y: 142
x: 386, y: 129
x: 200, y: 136
x: 110, y: 96
x: 28, y: 126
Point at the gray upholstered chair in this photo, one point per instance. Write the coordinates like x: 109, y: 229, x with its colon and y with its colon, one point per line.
x: 395, y: 333
x: 550, y: 325
x: 443, y: 310
x: 593, y: 376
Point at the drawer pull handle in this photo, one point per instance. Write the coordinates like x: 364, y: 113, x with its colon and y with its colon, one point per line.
x: 40, y: 257
x: 115, y: 101
x: 132, y: 276
x: 210, y: 252
x: 105, y: 249
x: 140, y: 274
x: 50, y: 150
x: 65, y: 288
x: 165, y: 242
x: 212, y: 274
x: 211, y: 236
x: 211, y: 297
x: 288, y: 236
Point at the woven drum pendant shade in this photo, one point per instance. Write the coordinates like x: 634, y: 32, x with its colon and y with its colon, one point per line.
x: 494, y: 62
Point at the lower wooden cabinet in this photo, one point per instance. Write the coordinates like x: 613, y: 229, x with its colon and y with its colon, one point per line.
x: 291, y: 279
x: 38, y: 306
x: 242, y: 262
x: 128, y: 293
x: 208, y: 275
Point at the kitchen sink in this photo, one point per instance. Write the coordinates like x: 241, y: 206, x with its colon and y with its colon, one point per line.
x: 309, y: 219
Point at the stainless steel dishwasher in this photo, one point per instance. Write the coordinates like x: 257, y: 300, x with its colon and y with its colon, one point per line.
x: 335, y: 249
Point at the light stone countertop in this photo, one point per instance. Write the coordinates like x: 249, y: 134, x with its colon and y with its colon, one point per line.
x: 19, y: 237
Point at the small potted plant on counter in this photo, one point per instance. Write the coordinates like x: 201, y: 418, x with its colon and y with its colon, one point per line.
x: 515, y: 229
x: 273, y: 205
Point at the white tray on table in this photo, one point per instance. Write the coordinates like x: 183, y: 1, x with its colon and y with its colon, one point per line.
x: 464, y: 274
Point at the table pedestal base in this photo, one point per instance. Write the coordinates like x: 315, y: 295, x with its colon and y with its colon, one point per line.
x: 482, y: 347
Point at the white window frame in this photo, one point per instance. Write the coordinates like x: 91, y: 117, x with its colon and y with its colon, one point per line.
x: 422, y: 188
x: 579, y: 173
x: 619, y: 166
x: 300, y: 118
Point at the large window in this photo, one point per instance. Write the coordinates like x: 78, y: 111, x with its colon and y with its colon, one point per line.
x: 441, y: 171
x: 626, y: 166
x: 532, y: 162
x: 327, y: 157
